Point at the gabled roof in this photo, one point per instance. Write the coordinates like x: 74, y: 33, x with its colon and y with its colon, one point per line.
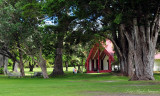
x: 108, y: 45
x: 105, y: 49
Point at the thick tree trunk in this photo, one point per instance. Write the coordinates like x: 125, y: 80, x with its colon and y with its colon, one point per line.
x: 143, y: 66
x: 136, y: 48
x: 58, y: 67
x: 144, y: 50
x: 140, y: 51
x: 135, y: 43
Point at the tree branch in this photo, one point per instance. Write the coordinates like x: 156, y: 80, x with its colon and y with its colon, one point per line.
x: 27, y: 54
x: 156, y: 30
x: 10, y: 54
x: 154, y: 21
x: 135, y: 28
x: 5, y: 54
x: 148, y: 32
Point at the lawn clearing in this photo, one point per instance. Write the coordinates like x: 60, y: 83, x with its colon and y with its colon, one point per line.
x: 105, y: 84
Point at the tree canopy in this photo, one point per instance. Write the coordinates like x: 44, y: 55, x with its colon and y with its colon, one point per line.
x: 131, y: 25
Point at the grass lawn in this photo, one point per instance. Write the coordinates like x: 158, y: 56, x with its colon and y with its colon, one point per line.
x: 70, y: 84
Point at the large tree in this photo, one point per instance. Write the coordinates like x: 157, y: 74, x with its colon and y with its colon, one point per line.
x: 20, y: 32
x: 12, y: 30
x: 34, y: 43
x: 134, y: 27
x: 61, y: 10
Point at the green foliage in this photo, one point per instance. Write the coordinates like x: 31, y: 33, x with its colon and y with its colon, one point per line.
x: 31, y: 10
x: 23, y: 22
x: 1, y: 70
x: 116, y: 61
x: 118, y: 19
x: 10, y: 62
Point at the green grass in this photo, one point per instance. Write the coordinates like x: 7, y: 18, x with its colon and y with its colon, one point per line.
x: 76, y: 85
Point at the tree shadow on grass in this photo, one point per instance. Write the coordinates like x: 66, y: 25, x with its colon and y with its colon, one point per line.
x: 90, y: 76
x: 79, y: 76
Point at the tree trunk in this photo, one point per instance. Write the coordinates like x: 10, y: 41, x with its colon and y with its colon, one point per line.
x: 140, y: 51
x: 130, y: 61
x: 21, y: 65
x: 13, y: 65
x: 136, y: 47
x: 5, y: 62
x: 144, y: 50
x: 31, y: 66
x: 79, y: 68
x: 58, y: 68
x: 1, y: 61
x: 66, y: 63
x: 16, y: 67
x: 123, y: 65
x: 82, y: 65
x: 42, y: 64
x: 123, y: 45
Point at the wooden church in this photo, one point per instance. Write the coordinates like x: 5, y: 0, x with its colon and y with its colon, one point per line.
x: 100, y: 58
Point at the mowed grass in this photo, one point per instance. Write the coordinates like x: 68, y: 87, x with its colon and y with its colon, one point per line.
x: 70, y: 84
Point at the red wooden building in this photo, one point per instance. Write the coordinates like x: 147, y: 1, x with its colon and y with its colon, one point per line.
x: 100, y: 58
